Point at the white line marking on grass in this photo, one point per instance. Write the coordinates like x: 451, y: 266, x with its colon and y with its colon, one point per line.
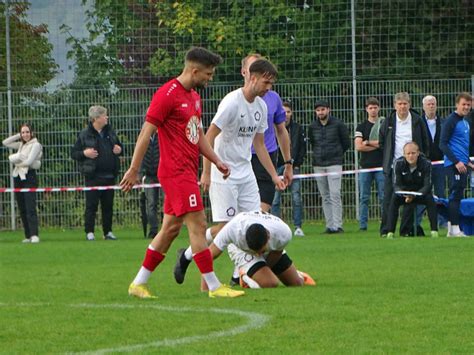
x: 254, y: 321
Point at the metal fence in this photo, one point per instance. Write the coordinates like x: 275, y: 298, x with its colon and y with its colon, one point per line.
x: 58, y: 117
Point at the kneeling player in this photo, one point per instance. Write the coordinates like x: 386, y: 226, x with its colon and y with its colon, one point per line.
x: 256, y: 242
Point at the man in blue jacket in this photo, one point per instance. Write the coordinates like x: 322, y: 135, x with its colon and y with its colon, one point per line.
x: 455, y: 139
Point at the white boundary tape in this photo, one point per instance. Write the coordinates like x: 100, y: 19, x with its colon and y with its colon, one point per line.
x: 254, y: 321
x: 147, y: 186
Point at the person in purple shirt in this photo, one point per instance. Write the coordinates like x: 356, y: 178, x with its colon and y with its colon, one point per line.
x: 276, y: 130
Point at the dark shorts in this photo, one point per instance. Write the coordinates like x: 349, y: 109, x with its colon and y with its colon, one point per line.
x: 264, y: 180
x: 282, y: 265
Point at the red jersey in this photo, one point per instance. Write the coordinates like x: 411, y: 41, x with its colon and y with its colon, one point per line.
x: 177, y: 114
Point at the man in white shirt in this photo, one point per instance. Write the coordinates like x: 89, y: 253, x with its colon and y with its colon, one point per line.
x: 256, y: 242
x: 400, y: 127
x: 240, y: 121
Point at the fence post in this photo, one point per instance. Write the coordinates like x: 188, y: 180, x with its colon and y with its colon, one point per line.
x: 354, y: 100
x: 9, y: 104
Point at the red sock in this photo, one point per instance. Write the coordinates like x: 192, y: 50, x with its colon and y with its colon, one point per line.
x: 203, y: 260
x: 152, y: 259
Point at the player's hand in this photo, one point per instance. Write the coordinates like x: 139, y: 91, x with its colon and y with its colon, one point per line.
x: 288, y: 174
x: 129, y: 180
x: 408, y: 198
x: 461, y: 167
x: 205, y: 181
x: 223, y: 168
x: 117, y: 149
x: 90, y: 153
x: 280, y: 184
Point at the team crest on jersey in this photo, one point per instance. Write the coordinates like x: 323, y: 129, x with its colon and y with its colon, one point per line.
x: 192, y: 130
x: 230, y: 212
x: 257, y: 116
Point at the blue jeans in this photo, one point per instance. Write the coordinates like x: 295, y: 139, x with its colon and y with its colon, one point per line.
x: 438, y: 178
x: 365, y: 188
x: 297, y: 204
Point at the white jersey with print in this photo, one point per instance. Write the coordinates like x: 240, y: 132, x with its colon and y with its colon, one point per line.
x: 234, y: 231
x: 239, y: 122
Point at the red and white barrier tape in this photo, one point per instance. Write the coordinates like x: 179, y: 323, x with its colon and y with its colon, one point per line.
x: 147, y: 186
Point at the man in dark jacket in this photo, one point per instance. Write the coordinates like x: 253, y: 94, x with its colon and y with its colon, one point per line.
x: 412, y: 186
x: 97, y: 149
x: 400, y: 127
x: 298, y: 153
x: 434, y: 123
x: 329, y: 139
x: 150, y: 176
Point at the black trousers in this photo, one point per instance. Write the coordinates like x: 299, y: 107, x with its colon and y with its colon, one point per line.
x: 106, y: 199
x: 387, y: 197
x: 27, y: 203
x: 457, y: 183
x: 398, y: 201
x: 406, y: 224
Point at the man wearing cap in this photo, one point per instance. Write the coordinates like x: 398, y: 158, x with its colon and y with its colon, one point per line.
x: 329, y: 138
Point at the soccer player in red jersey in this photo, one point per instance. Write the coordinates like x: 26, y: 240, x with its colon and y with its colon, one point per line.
x: 175, y: 111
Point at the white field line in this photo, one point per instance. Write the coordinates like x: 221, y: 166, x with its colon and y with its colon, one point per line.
x: 254, y: 321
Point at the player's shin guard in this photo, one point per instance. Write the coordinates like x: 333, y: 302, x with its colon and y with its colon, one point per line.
x: 152, y: 259
x: 204, y: 262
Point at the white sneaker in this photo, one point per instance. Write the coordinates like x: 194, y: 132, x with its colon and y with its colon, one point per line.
x: 35, y: 239
x: 110, y: 236
x: 456, y: 235
x: 299, y: 232
x: 90, y: 236
x: 26, y: 240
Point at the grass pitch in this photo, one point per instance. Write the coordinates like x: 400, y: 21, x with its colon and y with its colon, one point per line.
x: 407, y: 295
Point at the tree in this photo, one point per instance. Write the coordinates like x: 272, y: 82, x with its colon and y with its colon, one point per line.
x: 31, y: 62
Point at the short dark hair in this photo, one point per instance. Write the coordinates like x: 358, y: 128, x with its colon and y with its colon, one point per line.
x: 263, y: 67
x: 203, y: 56
x: 463, y: 95
x: 256, y: 236
x: 287, y: 104
x: 372, y: 101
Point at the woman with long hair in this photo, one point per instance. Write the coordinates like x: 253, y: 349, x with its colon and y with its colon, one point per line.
x: 26, y: 161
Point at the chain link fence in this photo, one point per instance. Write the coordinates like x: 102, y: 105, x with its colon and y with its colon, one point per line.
x: 58, y: 117
x: 58, y: 57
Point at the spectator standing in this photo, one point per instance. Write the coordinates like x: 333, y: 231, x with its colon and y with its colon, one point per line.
x: 150, y: 176
x: 412, y: 173
x: 329, y: 139
x: 455, y: 143
x: 403, y: 125
x: 434, y: 124
x: 371, y: 156
x: 276, y: 130
x: 175, y: 110
x: 26, y: 161
x: 97, y: 149
x: 298, y: 153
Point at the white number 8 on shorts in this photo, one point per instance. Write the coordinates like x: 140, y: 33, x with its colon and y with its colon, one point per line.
x: 192, y: 200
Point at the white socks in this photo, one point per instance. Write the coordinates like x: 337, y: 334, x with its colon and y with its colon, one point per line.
x: 211, y: 280
x: 142, y: 276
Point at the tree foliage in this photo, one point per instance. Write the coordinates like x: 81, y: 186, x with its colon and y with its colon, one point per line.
x: 31, y: 62
x: 144, y: 41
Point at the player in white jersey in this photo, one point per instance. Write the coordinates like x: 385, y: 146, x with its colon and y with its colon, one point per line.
x: 256, y: 242
x: 240, y: 121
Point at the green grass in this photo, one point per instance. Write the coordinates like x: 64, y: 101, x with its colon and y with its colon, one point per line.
x: 407, y: 295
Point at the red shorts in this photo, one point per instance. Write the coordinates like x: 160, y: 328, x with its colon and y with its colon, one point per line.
x: 182, y: 195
